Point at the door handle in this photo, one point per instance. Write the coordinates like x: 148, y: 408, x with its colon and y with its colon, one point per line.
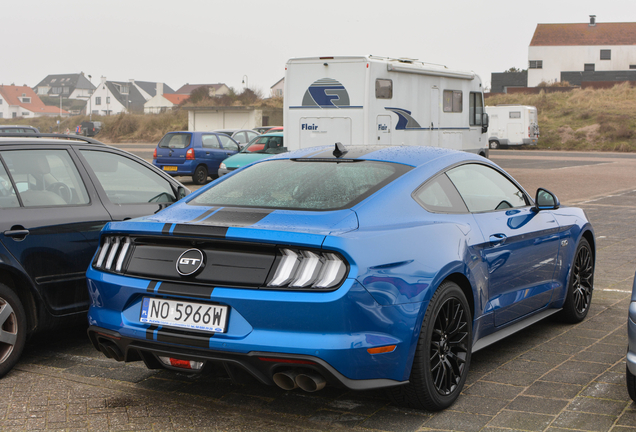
x: 497, y: 239
x: 17, y: 234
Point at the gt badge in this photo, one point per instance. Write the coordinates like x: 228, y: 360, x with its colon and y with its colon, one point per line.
x: 190, y: 262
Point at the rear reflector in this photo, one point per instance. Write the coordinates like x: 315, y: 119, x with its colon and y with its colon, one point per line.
x: 381, y: 350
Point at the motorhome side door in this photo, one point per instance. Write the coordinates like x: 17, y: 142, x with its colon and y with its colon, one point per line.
x: 383, y: 129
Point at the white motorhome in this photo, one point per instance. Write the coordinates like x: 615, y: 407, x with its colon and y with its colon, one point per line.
x: 512, y: 125
x: 378, y: 100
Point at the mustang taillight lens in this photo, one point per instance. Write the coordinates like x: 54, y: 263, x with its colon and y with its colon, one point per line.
x: 112, y: 254
x: 303, y: 269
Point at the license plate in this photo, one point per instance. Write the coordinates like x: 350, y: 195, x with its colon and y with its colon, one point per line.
x: 170, y: 168
x: 182, y: 314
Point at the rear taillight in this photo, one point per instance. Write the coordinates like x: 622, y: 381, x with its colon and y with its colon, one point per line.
x: 111, y: 256
x: 190, y: 154
x: 303, y: 269
x: 154, y: 154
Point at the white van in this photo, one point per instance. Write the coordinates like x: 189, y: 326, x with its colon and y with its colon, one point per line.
x: 512, y: 125
x: 378, y: 100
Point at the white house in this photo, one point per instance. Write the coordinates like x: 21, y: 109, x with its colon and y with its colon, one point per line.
x: 114, y: 97
x: 578, y: 49
x: 163, y: 102
x: 21, y: 101
x: 69, y: 86
x: 277, y: 90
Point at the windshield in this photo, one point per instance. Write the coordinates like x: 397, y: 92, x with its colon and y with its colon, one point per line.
x: 264, y: 144
x: 302, y: 184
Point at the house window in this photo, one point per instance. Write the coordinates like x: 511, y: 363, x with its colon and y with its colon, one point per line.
x: 123, y: 89
x: 536, y: 64
x: 53, y: 80
x: 26, y: 100
x: 475, y: 109
x: 14, y: 115
x: 0, y: 101
x: 453, y: 101
x: 606, y: 54
x: 588, y: 67
x: 98, y: 100
x: 1, y: 115
x: 107, y: 99
x: 65, y: 90
x: 25, y: 114
x: 383, y: 88
x: 632, y: 66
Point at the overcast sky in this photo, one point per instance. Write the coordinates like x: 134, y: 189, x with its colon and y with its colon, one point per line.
x: 224, y: 41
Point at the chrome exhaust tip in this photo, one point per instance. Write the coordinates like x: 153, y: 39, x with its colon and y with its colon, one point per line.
x: 286, y: 379
x: 310, y: 382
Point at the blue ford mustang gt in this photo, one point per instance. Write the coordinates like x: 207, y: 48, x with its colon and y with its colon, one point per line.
x: 361, y: 267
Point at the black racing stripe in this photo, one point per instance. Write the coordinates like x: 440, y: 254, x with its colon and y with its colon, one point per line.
x: 204, y: 215
x: 200, y: 230
x: 150, y: 332
x: 151, y: 286
x: 198, y: 291
x: 184, y: 339
x: 166, y: 228
x: 236, y: 217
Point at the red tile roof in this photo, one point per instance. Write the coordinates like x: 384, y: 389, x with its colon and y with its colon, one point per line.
x: 12, y: 94
x: 189, y: 88
x: 584, y: 34
x: 176, y: 98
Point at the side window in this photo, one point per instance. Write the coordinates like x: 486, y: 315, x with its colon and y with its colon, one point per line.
x: 240, y: 137
x: 453, y: 101
x: 45, y: 178
x: 383, y: 88
x: 440, y: 196
x: 485, y: 189
x: 251, y: 136
x: 514, y: 114
x: 210, y: 141
x: 475, y: 109
x: 8, y: 197
x: 227, y: 143
x: 126, y: 181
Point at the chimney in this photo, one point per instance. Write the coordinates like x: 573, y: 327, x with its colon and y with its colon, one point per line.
x: 159, y: 89
x: 592, y: 20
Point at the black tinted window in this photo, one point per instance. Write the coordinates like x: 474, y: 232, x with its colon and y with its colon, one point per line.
x: 306, y: 185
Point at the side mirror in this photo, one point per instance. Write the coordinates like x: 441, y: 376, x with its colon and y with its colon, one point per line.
x: 484, y: 123
x: 181, y: 192
x: 546, y: 200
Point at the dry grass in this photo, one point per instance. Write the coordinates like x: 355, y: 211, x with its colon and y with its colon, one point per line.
x: 590, y: 119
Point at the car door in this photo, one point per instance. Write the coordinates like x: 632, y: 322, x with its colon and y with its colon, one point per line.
x: 127, y: 186
x: 229, y: 146
x: 51, y: 219
x: 520, y: 244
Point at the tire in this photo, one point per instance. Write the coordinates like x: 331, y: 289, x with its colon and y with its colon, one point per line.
x: 13, y: 329
x: 200, y: 175
x: 493, y: 144
x: 580, y: 285
x: 631, y: 384
x: 442, y: 355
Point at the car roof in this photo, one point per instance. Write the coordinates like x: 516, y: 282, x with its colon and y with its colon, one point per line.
x: 46, y: 139
x: 278, y: 134
x: 407, y: 155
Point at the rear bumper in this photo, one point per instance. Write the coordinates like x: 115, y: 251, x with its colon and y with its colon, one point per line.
x: 261, y: 365
x: 184, y: 169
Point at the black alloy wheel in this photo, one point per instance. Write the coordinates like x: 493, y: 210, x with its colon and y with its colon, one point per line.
x: 580, y: 286
x: 443, y: 353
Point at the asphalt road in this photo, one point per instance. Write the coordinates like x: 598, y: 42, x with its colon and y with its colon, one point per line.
x: 549, y: 377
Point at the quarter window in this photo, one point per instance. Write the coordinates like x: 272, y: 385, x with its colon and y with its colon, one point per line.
x: 440, y: 196
x: 453, y: 101
x: 485, y: 189
x: 383, y: 88
x: 126, y: 181
x: 475, y: 109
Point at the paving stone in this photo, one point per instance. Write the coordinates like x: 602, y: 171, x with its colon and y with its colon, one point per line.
x: 458, y: 421
x: 607, y: 391
x: 585, y: 367
x: 553, y: 390
x: 479, y: 404
x: 522, y: 420
x: 539, y: 405
x: 494, y: 390
x: 597, y: 406
x: 584, y: 421
x: 396, y: 420
x: 569, y: 377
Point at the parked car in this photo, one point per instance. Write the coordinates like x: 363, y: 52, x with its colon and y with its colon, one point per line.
x: 631, y: 346
x: 196, y: 154
x: 18, y: 129
x: 261, y: 147
x: 359, y: 267
x: 56, y: 195
x: 242, y: 136
x: 90, y: 128
x: 266, y: 129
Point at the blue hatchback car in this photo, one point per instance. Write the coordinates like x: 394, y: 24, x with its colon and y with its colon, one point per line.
x: 359, y: 267
x: 196, y: 154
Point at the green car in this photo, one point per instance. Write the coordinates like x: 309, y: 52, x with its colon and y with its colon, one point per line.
x: 261, y: 147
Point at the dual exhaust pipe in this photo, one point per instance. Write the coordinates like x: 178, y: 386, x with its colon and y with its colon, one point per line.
x: 307, y: 381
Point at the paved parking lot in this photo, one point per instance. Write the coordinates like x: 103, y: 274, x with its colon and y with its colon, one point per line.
x: 551, y: 376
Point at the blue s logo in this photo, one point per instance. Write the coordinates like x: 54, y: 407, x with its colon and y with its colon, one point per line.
x: 326, y: 93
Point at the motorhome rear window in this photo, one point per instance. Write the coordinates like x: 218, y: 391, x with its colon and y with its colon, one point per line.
x: 515, y: 114
x: 453, y: 101
x: 302, y: 185
x: 383, y: 88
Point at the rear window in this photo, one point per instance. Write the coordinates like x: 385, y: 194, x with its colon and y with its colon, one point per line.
x: 176, y: 140
x: 302, y: 185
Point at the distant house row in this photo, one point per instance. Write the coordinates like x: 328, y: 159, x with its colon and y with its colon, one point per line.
x: 105, y: 98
